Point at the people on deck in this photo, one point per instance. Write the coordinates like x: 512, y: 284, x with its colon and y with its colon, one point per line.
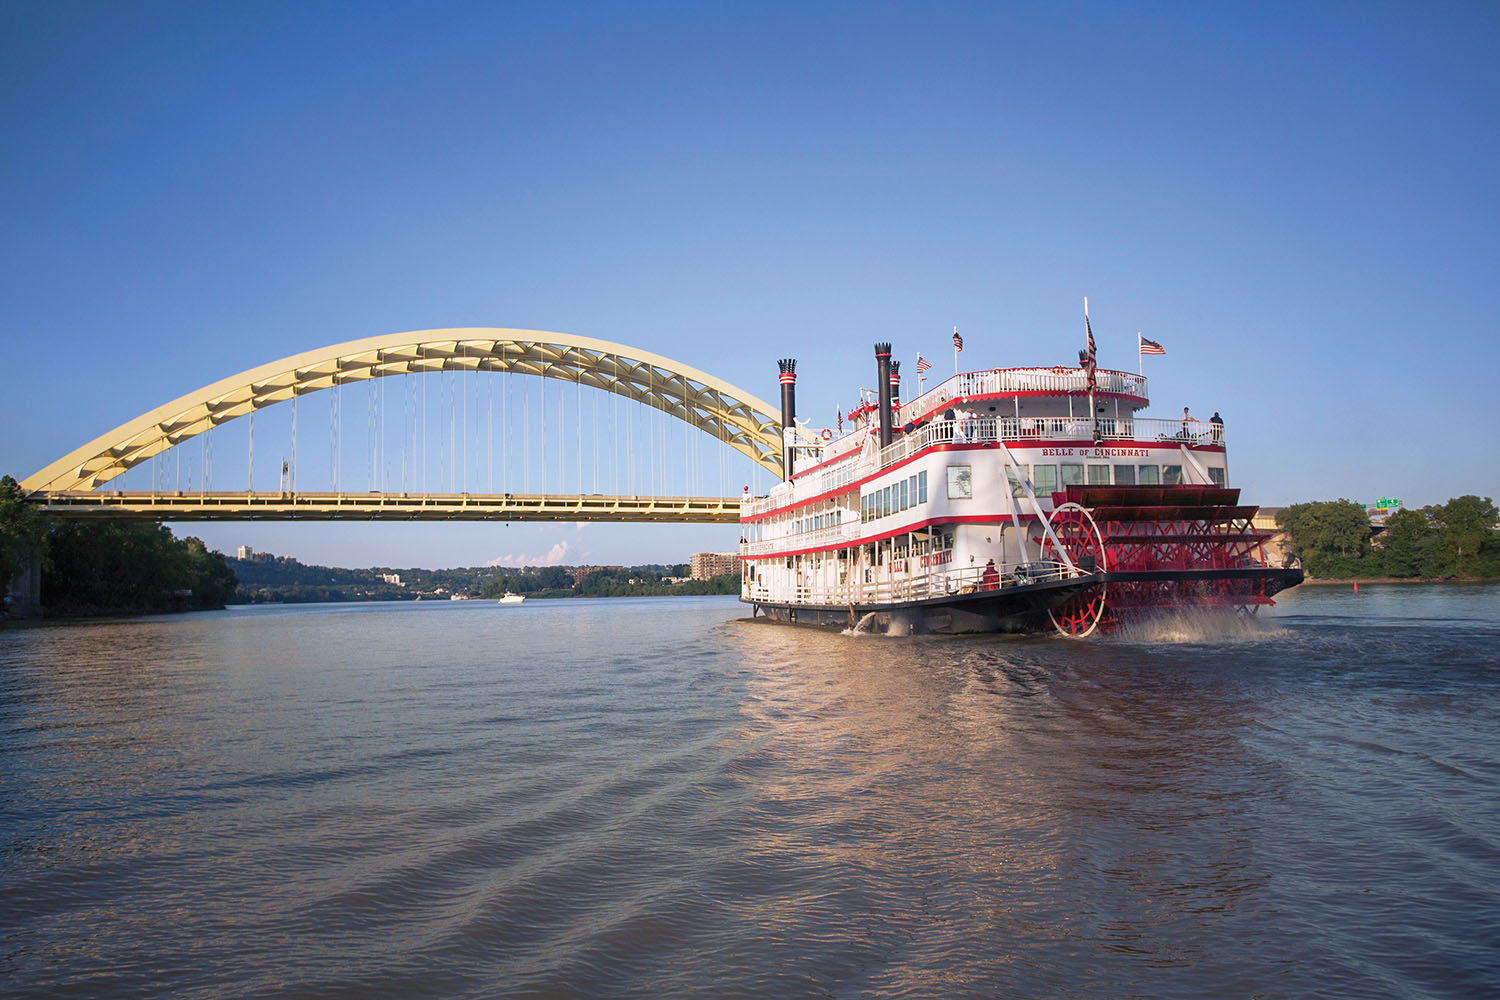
x: 990, y: 579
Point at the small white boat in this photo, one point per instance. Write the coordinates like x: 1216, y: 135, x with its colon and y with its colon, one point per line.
x: 510, y: 598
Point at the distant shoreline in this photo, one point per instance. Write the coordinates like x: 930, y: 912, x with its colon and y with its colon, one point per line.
x: 1420, y: 581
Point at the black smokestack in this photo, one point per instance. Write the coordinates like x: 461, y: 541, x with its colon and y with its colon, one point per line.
x: 883, y: 386
x: 788, y: 411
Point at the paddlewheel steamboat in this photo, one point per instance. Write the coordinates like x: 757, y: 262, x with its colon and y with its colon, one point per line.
x: 1012, y: 499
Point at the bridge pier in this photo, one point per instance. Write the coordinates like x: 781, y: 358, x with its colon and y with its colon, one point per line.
x: 23, y: 595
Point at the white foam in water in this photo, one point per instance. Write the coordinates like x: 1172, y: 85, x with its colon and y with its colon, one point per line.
x: 864, y: 626
x: 1195, y: 625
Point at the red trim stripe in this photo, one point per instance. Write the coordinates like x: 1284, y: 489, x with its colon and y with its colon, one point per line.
x: 868, y: 539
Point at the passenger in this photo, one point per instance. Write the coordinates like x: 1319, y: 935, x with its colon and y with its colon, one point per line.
x: 948, y: 418
x: 1186, y: 420
x: 1218, y: 427
x: 969, y: 424
x: 990, y: 580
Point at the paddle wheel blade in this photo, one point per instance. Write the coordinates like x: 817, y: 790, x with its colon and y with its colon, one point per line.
x: 1163, y: 548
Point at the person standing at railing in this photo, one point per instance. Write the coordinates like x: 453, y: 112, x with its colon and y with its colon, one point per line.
x: 1186, y: 421
x: 1218, y: 427
x: 990, y: 579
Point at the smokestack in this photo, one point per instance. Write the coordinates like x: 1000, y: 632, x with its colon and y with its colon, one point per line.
x: 883, y: 386
x: 788, y: 411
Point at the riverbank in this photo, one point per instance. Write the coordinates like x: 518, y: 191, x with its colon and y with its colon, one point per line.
x: 1421, y: 581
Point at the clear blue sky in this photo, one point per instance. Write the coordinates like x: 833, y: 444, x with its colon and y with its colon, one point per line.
x: 1298, y: 200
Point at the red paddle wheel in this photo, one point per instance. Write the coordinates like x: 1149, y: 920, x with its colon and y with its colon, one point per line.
x: 1081, y: 540
x: 1161, y: 547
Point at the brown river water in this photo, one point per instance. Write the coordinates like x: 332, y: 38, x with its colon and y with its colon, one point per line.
x: 654, y: 797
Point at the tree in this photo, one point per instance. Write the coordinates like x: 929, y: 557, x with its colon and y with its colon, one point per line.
x: 1465, y: 523
x: 22, y: 531
x: 1331, y: 536
x: 1408, y: 539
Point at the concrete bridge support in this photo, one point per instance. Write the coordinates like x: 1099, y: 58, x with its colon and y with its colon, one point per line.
x: 23, y: 596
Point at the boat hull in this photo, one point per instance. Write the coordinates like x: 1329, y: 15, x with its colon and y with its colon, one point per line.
x: 1013, y: 609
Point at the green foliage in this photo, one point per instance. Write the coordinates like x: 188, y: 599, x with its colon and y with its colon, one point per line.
x: 22, y: 529
x: 1332, y: 537
x: 110, y: 566
x: 1407, y: 543
x: 1455, y: 540
x: 1465, y: 523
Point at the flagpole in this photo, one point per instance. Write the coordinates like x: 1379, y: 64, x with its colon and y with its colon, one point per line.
x: 955, y: 352
x: 921, y: 375
x: 1140, y: 360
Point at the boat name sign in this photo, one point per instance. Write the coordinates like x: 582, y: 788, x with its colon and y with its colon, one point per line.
x: 1094, y: 452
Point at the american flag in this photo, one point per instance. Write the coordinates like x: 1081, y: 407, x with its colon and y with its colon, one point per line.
x: 1151, y: 346
x: 958, y: 342
x: 1093, y: 351
x: 922, y: 364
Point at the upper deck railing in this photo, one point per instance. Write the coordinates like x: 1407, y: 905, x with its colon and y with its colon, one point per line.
x: 981, y: 430
x: 1000, y: 381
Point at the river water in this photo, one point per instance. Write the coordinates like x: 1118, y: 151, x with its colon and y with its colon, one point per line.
x: 653, y: 797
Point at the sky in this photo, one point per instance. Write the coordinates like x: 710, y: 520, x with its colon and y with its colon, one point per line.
x: 1297, y: 200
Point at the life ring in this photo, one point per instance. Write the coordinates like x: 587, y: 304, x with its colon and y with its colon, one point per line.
x: 827, y: 434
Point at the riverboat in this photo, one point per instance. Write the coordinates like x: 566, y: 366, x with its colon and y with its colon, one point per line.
x: 1013, y: 499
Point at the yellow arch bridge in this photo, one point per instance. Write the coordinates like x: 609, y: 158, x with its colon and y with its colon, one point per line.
x: 75, y: 485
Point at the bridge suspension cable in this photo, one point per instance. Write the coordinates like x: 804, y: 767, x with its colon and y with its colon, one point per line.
x: 645, y: 458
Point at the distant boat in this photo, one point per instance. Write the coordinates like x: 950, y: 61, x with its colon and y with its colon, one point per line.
x: 459, y: 597
x: 510, y: 598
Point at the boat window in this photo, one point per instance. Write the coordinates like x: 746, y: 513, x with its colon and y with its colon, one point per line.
x: 1124, y: 475
x: 1098, y: 475
x: 1044, y: 479
x: 922, y: 487
x: 904, y: 504
x: 1016, y: 489
x: 1171, y: 475
x: 1150, y: 475
x: 1072, y: 474
x: 960, y: 482
x: 1217, y: 475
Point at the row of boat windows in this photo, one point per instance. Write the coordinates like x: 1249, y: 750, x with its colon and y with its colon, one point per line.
x: 1046, y: 478
x: 894, y: 498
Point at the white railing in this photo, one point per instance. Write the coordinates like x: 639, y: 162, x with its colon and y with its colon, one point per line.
x: 847, y: 534
x: 982, y: 430
x: 1007, y: 380
x: 938, y: 583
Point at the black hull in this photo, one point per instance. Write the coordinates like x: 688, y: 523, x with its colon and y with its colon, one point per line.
x: 1013, y: 609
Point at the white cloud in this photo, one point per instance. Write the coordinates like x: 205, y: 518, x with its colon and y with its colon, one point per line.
x: 555, y: 556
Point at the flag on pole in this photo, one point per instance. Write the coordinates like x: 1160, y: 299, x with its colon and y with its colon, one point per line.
x: 1150, y: 346
x: 922, y: 364
x: 1088, y: 357
x: 958, y: 342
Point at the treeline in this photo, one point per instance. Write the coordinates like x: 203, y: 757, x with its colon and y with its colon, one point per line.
x: 615, y: 581
x: 108, y: 567
x: 1452, y: 541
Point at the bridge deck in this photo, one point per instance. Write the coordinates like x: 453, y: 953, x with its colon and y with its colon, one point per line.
x: 314, y: 506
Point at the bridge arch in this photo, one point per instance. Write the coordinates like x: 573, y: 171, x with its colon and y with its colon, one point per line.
x: 738, y: 419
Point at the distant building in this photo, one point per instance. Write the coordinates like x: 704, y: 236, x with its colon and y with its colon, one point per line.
x: 246, y: 554
x: 583, y: 571
x: 242, y: 553
x: 710, y: 564
x: 392, y: 578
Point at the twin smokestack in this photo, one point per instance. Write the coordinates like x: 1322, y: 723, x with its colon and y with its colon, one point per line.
x: 887, y: 380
